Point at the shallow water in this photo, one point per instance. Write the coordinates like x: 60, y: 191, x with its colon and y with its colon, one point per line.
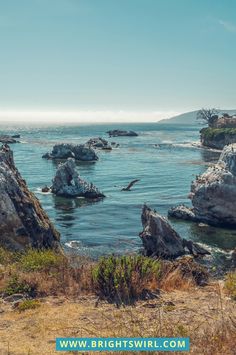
x: 165, y: 158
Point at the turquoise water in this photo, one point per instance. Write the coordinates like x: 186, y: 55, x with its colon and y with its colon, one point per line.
x: 113, y: 224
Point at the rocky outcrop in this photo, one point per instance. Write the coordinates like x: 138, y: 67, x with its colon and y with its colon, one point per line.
x: 217, y: 138
x: 23, y: 222
x: 68, y: 183
x: 161, y: 240
x: 99, y: 143
x: 213, y: 194
x: 79, y: 152
x: 5, y: 139
x: 182, y: 212
x: 121, y: 133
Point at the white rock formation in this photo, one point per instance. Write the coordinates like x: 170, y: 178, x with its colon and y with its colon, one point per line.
x: 68, y: 183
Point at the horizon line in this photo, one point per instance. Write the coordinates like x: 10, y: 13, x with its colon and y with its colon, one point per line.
x: 83, y: 116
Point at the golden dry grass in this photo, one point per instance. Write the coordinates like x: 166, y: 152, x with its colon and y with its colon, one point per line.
x: 206, y: 314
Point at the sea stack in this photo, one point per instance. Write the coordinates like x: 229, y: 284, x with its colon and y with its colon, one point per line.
x: 213, y: 194
x: 161, y: 240
x: 23, y: 222
x: 68, y: 183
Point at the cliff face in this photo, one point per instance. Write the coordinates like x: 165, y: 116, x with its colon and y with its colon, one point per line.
x: 23, y: 222
x: 213, y: 194
x: 217, y: 138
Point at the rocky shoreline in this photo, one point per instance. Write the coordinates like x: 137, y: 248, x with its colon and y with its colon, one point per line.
x: 213, y: 193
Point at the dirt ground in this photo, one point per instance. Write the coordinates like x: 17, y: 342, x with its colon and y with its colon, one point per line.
x: 205, y: 314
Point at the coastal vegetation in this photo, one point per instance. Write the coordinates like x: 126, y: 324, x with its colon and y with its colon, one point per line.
x: 81, y: 297
x: 221, y: 129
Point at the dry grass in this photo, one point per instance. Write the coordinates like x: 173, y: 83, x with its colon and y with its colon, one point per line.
x: 70, y: 308
x: 204, y: 314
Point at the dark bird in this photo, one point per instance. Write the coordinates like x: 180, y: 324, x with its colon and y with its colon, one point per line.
x: 130, y: 185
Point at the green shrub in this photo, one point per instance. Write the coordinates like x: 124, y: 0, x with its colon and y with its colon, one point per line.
x: 230, y: 284
x: 124, y: 279
x: 217, y: 133
x: 40, y: 260
x: 16, y: 285
x: 28, y: 304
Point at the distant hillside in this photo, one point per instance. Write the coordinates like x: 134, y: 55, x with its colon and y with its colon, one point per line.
x: 189, y: 118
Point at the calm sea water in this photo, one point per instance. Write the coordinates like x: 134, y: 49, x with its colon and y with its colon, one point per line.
x: 113, y: 225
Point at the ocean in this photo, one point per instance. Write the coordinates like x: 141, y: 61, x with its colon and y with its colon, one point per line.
x: 165, y: 157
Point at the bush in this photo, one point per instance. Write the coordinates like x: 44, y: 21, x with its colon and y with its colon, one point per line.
x: 217, y: 133
x: 40, y: 260
x: 124, y: 279
x: 28, y: 304
x: 16, y: 285
x: 230, y: 285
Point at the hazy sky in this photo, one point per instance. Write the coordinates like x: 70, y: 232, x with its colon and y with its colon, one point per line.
x: 147, y: 57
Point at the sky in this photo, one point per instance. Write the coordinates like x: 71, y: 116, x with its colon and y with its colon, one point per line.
x: 115, y: 59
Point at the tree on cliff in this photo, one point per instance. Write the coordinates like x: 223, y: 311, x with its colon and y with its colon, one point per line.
x: 208, y: 115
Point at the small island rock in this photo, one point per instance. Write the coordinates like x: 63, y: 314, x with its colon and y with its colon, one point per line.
x: 161, y: 240
x: 5, y: 139
x: 79, y: 152
x: 99, y: 143
x: 68, y: 183
x: 122, y: 133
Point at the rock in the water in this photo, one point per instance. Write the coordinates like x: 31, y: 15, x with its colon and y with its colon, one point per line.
x: 182, y: 212
x: 99, y: 143
x: 5, y: 139
x: 121, y: 133
x: 161, y: 240
x: 213, y: 194
x: 79, y: 152
x: 23, y: 222
x: 45, y: 189
x: 68, y: 183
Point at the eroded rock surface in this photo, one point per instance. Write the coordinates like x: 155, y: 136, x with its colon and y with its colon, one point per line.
x: 213, y: 194
x: 161, y: 240
x: 80, y: 152
x: 23, y: 222
x: 68, y: 183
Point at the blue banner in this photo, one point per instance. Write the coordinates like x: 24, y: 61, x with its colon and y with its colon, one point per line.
x: 122, y: 344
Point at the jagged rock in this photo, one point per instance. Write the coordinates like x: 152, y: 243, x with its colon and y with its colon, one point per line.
x: 68, y: 183
x: 15, y: 136
x: 161, y: 240
x: 23, y: 222
x: 213, y: 194
x: 5, y: 139
x: 99, y: 143
x: 45, y: 189
x: 79, y: 152
x: 121, y: 133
